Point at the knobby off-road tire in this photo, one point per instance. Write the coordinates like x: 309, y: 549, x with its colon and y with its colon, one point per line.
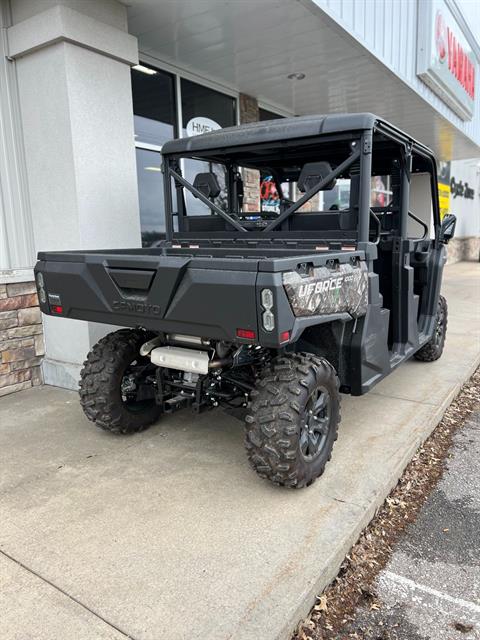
x: 434, y: 347
x: 101, y: 384
x: 277, y: 439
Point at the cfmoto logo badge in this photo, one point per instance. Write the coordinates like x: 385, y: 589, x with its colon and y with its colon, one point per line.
x: 136, y: 307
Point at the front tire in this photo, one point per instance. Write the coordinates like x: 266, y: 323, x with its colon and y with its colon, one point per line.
x: 110, y: 381
x: 293, y: 420
x: 434, y: 347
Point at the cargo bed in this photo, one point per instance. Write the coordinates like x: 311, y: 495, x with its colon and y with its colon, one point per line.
x: 204, y: 291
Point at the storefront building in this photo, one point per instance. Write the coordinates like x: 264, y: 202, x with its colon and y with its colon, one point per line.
x: 91, y: 89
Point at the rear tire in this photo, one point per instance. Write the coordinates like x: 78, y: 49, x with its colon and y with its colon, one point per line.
x: 101, y: 395
x: 434, y: 347
x: 293, y: 420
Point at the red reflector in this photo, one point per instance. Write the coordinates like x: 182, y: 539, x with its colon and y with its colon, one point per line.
x: 285, y: 336
x: 56, y: 309
x: 248, y: 334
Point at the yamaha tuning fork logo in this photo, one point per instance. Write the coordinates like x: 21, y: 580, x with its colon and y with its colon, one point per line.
x: 441, y: 37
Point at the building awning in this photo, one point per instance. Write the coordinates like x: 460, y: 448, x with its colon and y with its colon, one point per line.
x: 254, y: 47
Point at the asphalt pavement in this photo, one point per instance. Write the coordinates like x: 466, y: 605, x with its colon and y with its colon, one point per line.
x: 430, y: 589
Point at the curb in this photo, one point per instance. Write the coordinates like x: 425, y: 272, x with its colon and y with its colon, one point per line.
x: 309, y: 597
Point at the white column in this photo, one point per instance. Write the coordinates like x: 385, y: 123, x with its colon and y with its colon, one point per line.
x: 16, y: 238
x: 75, y: 101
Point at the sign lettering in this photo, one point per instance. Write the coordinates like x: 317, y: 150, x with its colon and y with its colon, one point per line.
x: 446, y: 61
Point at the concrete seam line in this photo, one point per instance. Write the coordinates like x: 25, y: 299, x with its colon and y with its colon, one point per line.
x: 389, y: 395
x: 406, y: 584
x: 65, y: 593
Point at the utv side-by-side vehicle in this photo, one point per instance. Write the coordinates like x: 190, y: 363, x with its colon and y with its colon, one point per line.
x: 280, y: 311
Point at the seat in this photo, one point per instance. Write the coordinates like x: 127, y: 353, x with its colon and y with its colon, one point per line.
x: 312, y: 173
x: 207, y: 184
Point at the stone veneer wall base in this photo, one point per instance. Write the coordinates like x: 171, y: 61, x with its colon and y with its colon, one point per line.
x: 21, y: 333
x: 460, y: 249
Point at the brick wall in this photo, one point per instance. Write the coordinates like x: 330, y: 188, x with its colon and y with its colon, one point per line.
x: 248, y: 109
x: 251, y: 179
x: 21, y: 337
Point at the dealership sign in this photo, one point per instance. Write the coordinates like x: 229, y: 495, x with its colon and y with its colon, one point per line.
x: 199, y: 125
x: 460, y: 189
x: 445, y: 60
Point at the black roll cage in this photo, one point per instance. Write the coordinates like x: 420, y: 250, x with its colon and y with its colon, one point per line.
x: 361, y: 144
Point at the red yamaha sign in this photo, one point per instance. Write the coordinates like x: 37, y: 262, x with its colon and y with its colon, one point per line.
x: 445, y: 59
x: 451, y: 51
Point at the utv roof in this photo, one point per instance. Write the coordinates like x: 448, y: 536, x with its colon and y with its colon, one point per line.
x: 285, y: 129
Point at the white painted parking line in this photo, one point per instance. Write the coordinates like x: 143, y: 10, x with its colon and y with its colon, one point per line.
x: 405, y: 588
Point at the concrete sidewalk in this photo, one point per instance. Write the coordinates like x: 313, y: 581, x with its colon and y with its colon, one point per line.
x: 169, y: 535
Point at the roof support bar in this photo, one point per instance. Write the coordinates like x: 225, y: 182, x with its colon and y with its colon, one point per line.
x: 406, y: 168
x: 198, y: 194
x: 318, y: 187
x: 365, y: 193
x: 167, y: 193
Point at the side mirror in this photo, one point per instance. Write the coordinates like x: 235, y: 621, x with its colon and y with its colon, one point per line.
x: 447, y: 228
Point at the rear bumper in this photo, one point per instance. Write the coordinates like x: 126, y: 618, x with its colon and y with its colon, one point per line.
x: 202, y: 302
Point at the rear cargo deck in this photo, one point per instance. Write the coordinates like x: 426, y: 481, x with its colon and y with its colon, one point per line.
x: 209, y: 291
x: 247, y: 255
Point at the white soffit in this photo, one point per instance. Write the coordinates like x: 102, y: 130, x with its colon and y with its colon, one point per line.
x: 253, y: 46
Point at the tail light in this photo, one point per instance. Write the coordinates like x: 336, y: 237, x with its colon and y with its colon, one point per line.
x: 41, y: 288
x: 268, y: 319
x: 247, y: 334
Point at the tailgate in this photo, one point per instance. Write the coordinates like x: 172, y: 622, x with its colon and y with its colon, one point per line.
x: 196, y: 296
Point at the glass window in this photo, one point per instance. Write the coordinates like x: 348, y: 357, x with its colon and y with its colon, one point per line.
x: 153, y: 94
x: 338, y: 198
x: 264, y: 114
x: 202, y: 102
x: 150, y: 196
x: 381, y: 194
x: 269, y: 196
x: 155, y: 122
x: 204, y: 109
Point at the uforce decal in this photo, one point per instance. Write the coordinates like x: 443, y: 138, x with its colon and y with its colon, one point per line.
x: 324, y: 290
x: 319, y: 287
x: 136, y: 307
x: 323, y: 286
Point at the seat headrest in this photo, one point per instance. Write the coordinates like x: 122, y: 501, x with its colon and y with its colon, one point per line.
x: 312, y: 173
x: 207, y: 183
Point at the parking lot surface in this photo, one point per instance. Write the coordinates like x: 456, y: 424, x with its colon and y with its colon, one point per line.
x: 431, y: 585
x: 169, y: 534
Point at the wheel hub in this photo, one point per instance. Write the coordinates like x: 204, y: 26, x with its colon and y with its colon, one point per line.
x: 132, y: 386
x: 315, y: 425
